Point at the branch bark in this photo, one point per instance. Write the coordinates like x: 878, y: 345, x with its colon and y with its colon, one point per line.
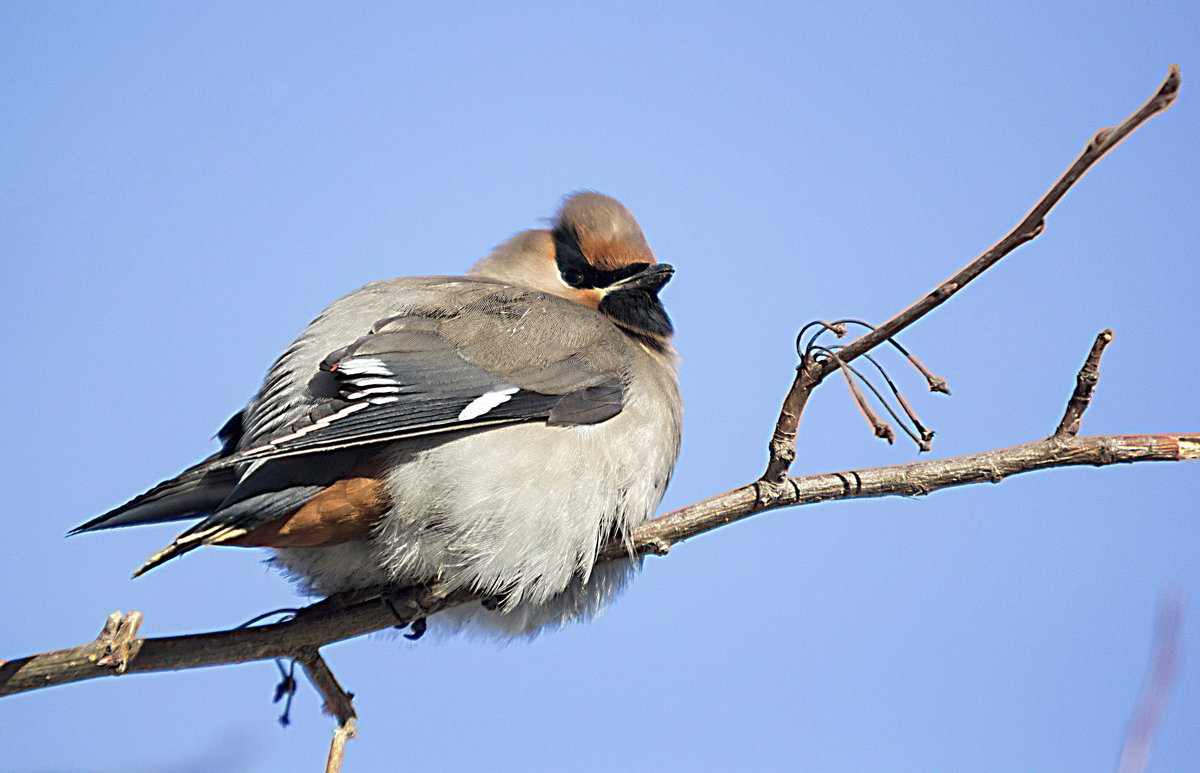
x: 1085, y: 386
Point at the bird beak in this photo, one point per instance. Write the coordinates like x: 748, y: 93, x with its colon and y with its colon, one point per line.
x: 651, y: 279
x: 633, y: 302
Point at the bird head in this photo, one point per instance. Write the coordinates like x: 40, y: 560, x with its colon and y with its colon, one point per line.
x: 595, y: 255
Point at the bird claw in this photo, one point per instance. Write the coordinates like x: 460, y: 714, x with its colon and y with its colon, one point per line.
x: 417, y: 629
x: 417, y: 624
x: 285, y: 689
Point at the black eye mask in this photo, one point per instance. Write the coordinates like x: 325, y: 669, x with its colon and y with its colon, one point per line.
x: 636, y: 308
x: 577, y: 272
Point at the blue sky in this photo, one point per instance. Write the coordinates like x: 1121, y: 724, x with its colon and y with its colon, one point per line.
x: 183, y: 186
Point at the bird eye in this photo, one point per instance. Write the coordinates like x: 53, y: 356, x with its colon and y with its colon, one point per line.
x: 573, y: 277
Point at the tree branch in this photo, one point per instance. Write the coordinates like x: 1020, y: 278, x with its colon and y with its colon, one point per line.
x: 116, y: 651
x: 812, y: 371
x: 329, y: 620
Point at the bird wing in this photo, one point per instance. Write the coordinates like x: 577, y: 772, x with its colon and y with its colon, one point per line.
x: 423, y: 374
x: 495, y: 358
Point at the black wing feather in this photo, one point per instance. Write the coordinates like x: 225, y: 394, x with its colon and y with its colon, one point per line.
x: 394, y: 385
x: 403, y: 381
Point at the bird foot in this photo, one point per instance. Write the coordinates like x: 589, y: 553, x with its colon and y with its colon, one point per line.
x: 415, y: 620
x: 416, y: 628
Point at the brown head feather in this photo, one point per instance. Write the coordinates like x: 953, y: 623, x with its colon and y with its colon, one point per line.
x: 605, y: 230
x: 596, y: 238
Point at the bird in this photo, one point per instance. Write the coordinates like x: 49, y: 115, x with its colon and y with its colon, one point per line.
x: 489, y: 432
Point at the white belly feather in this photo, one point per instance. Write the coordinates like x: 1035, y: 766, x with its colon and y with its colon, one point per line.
x: 467, y: 516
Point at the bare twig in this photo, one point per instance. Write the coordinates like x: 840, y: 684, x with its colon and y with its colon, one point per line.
x: 888, y: 434
x: 119, y: 640
x: 1085, y: 386
x: 337, y: 745
x: 338, y: 702
x: 812, y: 372
x: 880, y: 428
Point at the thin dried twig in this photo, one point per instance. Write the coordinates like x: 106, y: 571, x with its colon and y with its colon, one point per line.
x: 337, y: 745
x: 1085, y: 386
x: 880, y: 428
x: 811, y: 372
x: 917, y: 433
x: 119, y: 641
x: 338, y: 702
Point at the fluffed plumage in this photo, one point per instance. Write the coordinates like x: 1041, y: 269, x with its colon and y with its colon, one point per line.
x: 488, y: 431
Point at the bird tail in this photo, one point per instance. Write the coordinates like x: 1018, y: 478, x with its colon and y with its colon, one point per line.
x: 194, y: 493
x: 199, y: 535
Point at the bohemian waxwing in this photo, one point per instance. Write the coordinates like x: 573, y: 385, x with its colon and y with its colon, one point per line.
x: 489, y: 431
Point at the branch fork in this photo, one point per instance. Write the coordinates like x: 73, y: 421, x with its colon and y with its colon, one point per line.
x: 782, y: 446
